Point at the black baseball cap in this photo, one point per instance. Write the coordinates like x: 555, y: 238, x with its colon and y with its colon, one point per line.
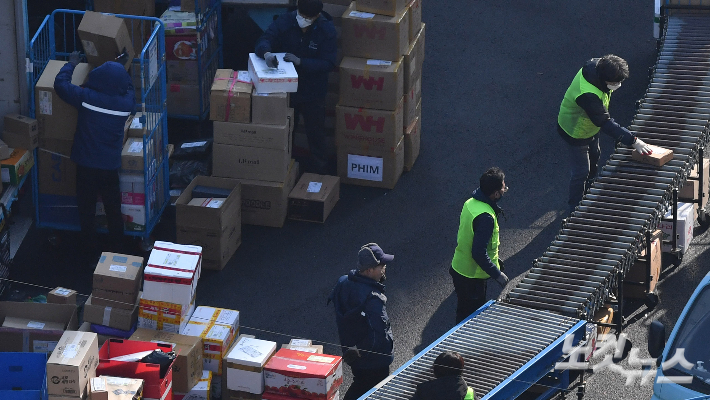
x: 372, y: 255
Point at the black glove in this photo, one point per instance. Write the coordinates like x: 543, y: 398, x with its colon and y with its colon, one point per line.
x: 271, y: 60
x: 74, y: 58
x: 502, y: 279
x: 350, y: 355
x: 292, y: 58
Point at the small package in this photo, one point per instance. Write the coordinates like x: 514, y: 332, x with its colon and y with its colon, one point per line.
x: 116, y: 280
x: 230, y: 96
x: 282, y: 79
x: 105, y: 38
x: 16, y: 166
x: 61, y: 295
x: 72, y: 363
x: 314, y: 197
x: 658, y: 158
x: 245, y: 364
x: 132, y: 155
x: 118, y: 318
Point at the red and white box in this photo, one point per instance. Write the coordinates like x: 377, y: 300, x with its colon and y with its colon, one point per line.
x: 172, y: 273
x: 292, y: 373
x: 221, y: 316
x: 163, y: 316
x: 118, y: 357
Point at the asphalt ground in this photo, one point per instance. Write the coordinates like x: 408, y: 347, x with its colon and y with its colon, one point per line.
x: 494, y: 75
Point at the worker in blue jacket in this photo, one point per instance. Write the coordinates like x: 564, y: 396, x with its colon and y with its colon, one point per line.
x: 308, y: 37
x: 363, y: 324
x: 104, y: 103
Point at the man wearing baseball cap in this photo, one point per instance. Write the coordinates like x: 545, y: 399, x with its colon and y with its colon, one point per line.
x: 363, y: 324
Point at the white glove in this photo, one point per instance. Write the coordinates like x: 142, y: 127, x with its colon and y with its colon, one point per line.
x: 642, y: 147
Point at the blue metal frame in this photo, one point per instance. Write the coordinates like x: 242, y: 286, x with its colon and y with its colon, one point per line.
x: 151, y: 64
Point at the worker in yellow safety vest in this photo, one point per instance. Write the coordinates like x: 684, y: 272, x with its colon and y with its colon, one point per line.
x: 476, y: 254
x: 448, y: 382
x: 584, y: 113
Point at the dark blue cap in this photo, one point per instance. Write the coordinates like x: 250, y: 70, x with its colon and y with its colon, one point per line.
x: 371, y: 255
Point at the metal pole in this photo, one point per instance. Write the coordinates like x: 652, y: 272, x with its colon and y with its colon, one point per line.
x: 674, y: 248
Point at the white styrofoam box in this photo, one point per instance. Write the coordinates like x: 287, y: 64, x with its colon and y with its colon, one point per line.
x: 132, y: 188
x: 252, y: 353
x: 282, y: 79
x: 133, y: 216
x: 221, y: 316
x: 201, y: 391
x: 172, y: 272
x: 684, y: 227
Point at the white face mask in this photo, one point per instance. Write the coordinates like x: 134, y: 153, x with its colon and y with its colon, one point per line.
x: 615, y: 86
x: 303, y: 22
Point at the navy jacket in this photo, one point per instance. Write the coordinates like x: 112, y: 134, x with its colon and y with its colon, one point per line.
x: 104, y: 103
x: 483, y: 226
x: 362, y: 320
x: 317, y: 48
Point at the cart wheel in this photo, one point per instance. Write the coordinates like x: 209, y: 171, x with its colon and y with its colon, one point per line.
x: 146, y: 244
x: 703, y: 219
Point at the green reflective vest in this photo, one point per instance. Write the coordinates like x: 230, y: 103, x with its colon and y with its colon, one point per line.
x: 572, y: 118
x: 469, y: 394
x: 463, y: 263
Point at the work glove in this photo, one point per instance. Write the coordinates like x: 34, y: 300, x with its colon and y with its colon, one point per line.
x: 351, y: 354
x: 271, y: 60
x: 74, y: 58
x: 502, y: 279
x: 292, y: 58
x: 642, y: 147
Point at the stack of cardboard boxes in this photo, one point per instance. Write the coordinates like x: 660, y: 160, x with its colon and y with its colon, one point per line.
x: 380, y: 90
x: 169, y: 286
x: 252, y: 138
x: 112, y: 308
x: 181, y: 47
x: 19, y: 139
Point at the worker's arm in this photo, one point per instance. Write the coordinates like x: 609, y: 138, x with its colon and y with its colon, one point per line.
x: 483, y: 226
x: 66, y: 90
x: 327, y: 55
x: 599, y: 115
x: 270, y: 40
x: 377, y: 339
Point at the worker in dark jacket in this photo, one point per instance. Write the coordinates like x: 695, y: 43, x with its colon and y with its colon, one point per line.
x: 476, y: 254
x: 448, y: 383
x: 104, y: 103
x: 584, y: 112
x: 309, y: 38
x: 363, y: 324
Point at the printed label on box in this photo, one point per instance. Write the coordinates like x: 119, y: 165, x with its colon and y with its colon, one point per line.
x: 363, y: 15
x: 35, y: 325
x: 62, y: 292
x: 136, y: 147
x: 45, y: 102
x: 43, y: 346
x: 251, y: 351
x: 378, y: 62
x: 70, y: 351
x: 243, y: 76
x: 314, y: 187
x: 98, y: 385
x: 171, y: 259
x: 89, y: 48
x: 117, y: 268
x: 214, y: 204
x: 363, y: 167
x: 192, y: 144
x: 136, y: 123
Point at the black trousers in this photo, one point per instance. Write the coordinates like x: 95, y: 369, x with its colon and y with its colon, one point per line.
x: 470, y: 293
x: 364, y: 380
x: 313, y: 113
x: 91, y: 182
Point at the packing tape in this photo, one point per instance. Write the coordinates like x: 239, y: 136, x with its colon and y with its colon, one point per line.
x: 70, y: 349
x: 107, y: 316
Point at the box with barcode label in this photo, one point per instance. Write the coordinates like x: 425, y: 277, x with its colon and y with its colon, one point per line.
x: 207, y: 315
x: 172, y: 272
x: 245, y: 364
x: 116, y: 280
x: 62, y: 295
x: 216, y: 340
x: 314, y: 197
x: 72, y: 364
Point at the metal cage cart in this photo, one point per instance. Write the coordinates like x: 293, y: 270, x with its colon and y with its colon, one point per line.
x: 55, y: 39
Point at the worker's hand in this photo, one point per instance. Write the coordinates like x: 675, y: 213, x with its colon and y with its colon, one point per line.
x: 292, y: 58
x: 271, y: 60
x: 502, y: 279
x: 642, y: 147
x: 74, y: 58
x: 350, y: 355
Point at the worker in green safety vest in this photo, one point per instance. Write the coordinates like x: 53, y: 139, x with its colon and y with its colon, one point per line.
x: 476, y: 254
x: 448, y: 382
x: 584, y: 112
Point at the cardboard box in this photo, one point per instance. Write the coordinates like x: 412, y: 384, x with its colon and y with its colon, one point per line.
x: 269, y: 108
x: 414, y: 60
x: 172, y: 272
x: 415, y: 18
x: 216, y: 340
x: 303, y: 375
x: 336, y: 12
x: 183, y: 99
x: 23, y: 376
x: 636, y: 283
x: 132, y: 188
x: 16, y: 166
x: 20, y: 132
x: 230, y: 96
x: 194, y: 5
x: 245, y: 364
x: 154, y: 386
x: 179, y: 22
x: 222, y: 316
x: 382, y: 7
x: 183, y: 71
x: 684, y: 227
x: 114, y: 388
x: 132, y: 155
x: 217, y: 247
x: 139, y: 31
x: 242, y: 162
x: 133, y: 217
x: 56, y: 119
x: 358, y: 127
x: 604, y: 315
x: 277, y: 137
x: 379, y: 37
x: 105, y: 37
x: 35, y: 340
x: 412, y: 143
x: 659, y: 157
x: 266, y: 203
x: 164, y: 316
x: 370, y: 165
x: 117, y: 277
x: 118, y: 318
x: 282, y: 79
x: 313, y: 197
x: 373, y: 84
x: 412, y: 101
x: 690, y: 189
x: 57, y: 172
x: 187, y: 367
x: 86, y: 327
x: 201, y: 390
x: 138, y: 127
x: 72, y: 363
x: 61, y: 295
x: 31, y: 323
